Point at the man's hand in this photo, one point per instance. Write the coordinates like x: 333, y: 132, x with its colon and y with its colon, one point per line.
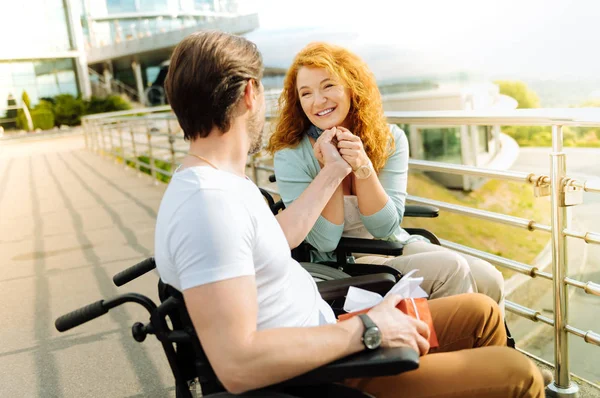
x: 351, y: 148
x: 326, y: 151
x: 398, y: 329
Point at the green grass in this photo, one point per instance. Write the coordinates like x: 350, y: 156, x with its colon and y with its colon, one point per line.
x: 504, y: 197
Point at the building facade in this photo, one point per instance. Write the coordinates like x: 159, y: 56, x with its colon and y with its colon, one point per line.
x: 51, y: 47
x: 40, y: 52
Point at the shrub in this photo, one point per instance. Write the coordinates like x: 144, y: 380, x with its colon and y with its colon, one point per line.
x: 42, y: 118
x: 109, y: 104
x: 21, y: 120
x: 68, y: 110
x: 45, y: 104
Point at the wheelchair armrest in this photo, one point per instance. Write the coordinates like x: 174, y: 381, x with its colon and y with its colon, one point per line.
x: 380, y: 362
x: 369, y: 246
x: 277, y: 207
x: 425, y: 211
x: 338, y: 288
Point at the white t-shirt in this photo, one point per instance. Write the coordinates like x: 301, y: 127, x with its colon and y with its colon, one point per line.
x: 214, y: 225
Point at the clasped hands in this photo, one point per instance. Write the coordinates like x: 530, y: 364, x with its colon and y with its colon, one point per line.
x: 338, y: 144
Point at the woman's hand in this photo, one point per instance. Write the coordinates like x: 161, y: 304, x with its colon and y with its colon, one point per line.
x: 351, y: 148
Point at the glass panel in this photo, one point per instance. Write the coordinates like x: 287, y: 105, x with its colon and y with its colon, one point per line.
x: 442, y: 145
x: 120, y: 6
x: 39, y: 79
x: 23, y: 79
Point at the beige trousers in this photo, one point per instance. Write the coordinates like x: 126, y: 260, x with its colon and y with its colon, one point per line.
x: 446, y: 272
x: 472, y: 360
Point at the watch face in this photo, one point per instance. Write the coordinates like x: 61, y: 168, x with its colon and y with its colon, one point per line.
x: 363, y: 172
x: 372, y: 338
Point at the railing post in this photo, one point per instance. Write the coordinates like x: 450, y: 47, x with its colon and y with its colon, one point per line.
x: 150, y: 156
x: 171, y: 145
x: 103, y: 141
x: 123, y: 157
x: 97, y: 137
x: 85, y: 127
x: 110, y: 140
x: 562, y: 386
x: 135, y: 157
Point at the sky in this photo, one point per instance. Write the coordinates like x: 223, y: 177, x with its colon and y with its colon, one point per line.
x: 543, y: 39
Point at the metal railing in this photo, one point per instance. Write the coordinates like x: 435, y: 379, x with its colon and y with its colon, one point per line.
x: 123, y: 134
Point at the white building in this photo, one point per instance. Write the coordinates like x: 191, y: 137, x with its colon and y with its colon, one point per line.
x: 483, y: 146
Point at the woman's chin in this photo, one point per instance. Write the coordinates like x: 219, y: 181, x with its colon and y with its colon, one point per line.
x: 326, y: 125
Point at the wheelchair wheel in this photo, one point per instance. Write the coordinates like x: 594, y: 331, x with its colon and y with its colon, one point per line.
x: 321, y: 272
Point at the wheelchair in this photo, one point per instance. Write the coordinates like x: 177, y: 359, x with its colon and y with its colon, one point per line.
x: 341, y: 268
x: 170, y: 323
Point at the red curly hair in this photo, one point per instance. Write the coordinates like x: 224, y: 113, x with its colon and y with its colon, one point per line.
x: 367, y: 119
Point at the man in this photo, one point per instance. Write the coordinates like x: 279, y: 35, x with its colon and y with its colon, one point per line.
x: 257, y: 312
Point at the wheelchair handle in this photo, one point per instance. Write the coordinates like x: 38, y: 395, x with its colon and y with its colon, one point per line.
x: 80, y: 316
x: 134, y: 271
x: 99, y: 308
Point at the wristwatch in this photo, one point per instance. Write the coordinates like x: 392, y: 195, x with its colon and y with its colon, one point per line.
x: 372, y: 335
x: 364, y: 171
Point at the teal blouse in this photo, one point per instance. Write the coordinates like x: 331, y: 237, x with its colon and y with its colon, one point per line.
x: 295, y: 168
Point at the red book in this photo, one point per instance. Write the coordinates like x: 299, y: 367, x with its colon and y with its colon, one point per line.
x: 417, y: 308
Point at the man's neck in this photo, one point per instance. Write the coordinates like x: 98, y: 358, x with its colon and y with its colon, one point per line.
x: 227, y: 152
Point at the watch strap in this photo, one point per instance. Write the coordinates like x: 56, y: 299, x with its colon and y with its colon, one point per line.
x: 368, y: 322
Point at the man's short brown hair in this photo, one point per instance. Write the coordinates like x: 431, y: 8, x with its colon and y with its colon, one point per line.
x: 207, y: 76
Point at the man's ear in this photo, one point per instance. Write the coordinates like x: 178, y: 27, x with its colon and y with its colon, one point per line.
x: 251, y: 93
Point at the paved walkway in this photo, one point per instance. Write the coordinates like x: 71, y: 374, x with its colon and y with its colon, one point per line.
x: 70, y: 220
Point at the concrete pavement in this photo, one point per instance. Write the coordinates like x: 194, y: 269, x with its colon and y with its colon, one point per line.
x: 69, y: 221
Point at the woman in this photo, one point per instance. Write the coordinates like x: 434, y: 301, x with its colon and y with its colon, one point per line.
x: 329, y: 88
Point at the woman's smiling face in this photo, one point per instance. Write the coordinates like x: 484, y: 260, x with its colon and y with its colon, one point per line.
x: 324, y: 99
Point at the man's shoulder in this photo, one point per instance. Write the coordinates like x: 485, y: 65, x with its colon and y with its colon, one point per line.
x: 204, y: 193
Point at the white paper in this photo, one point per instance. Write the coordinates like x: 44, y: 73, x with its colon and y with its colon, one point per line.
x: 407, y: 287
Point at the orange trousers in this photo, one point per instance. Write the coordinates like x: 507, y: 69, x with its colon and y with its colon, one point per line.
x: 471, y: 361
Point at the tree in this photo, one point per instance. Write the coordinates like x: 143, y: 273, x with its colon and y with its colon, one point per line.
x: 526, y: 98
x: 23, y: 116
